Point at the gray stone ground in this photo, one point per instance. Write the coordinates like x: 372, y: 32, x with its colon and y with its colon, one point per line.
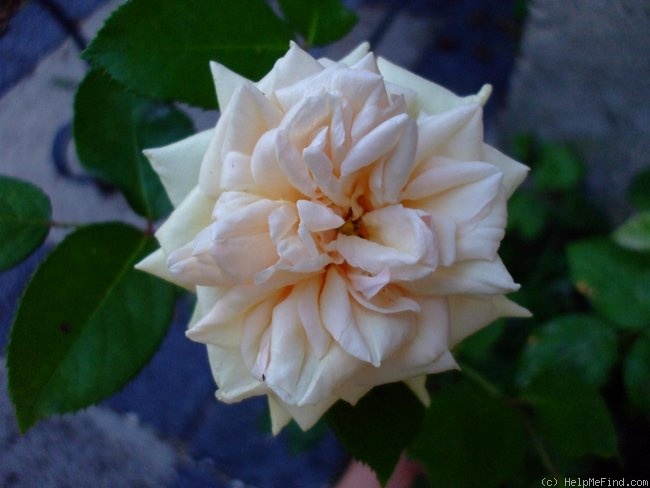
x: 67, y: 449
x: 584, y: 77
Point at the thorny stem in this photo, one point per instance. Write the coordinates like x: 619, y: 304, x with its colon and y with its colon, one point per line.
x: 480, y: 380
x: 150, y: 229
x: 539, y: 447
x: 64, y: 225
x: 473, y: 375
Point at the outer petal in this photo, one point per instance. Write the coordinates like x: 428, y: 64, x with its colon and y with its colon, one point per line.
x: 477, y: 277
x: 191, y: 216
x: 432, y: 98
x: 231, y: 375
x: 178, y: 164
x: 294, y: 66
x: 418, y: 386
x: 226, y: 82
x: 456, y: 134
x: 426, y: 353
x: 470, y: 313
x: 306, y: 415
x: 513, y: 172
x: 480, y: 237
x: 248, y: 115
x: 156, y: 264
x: 280, y: 417
x: 352, y: 57
x: 332, y: 373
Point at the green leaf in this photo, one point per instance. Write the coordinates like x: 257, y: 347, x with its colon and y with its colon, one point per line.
x: 87, y: 323
x: 558, y: 168
x: 615, y: 280
x: 469, y: 438
x: 527, y: 215
x: 581, y: 343
x: 320, y: 21
x: 634, y: 234
x: 523, y: 147
x: 378, y: 428
x: 163, y: 49
x: 25, y: 214
x: 299, y: 441
x: 111, y: 129
x: 478, y: 345
x: 638, y: 194
x: 635, y: 374
x: 571, y: 417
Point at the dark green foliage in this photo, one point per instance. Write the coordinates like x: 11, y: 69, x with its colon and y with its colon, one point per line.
x: 378, y: 428
x: 163, y: 49
x: 469, y: 438
x: 319, y: 22
x: 25, y: 213
x: 86, y: 324
x: 112, y: 127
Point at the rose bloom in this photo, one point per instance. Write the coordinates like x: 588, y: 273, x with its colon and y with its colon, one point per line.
x: 340, y: 228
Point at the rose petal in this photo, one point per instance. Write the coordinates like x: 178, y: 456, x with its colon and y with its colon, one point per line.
x: 236, y: 172
x: 383, y: 332
x: 338, y: 318
x: 455, y: 134
x: 291, y: 163
x: 252, y: 115
x: 267, y: 170
x: 280, y: 417
x: 398, y: 239
x: 418, y: 385
x: 289, y: 357
x: 432, y: 98
x: 191, y: 216
x: 470, y: 313
x: 231, y: 375
x: 156, y: 264
x: 445, y: 178
x: 427, y: 352
x: 355, y: 55
x: 294, y: 66
x: 479, y: 238
x: 374, y: 144
x: 387, y: 180
x: 367, y: 63
x: 178, y: 164
x: 316, y: 217
x: 513, y: 172
x: 248, y: 116
x: 319, y: 339
x: 188, y: 268
x: 307, y: 415
x: 355, y: 85
x: 477, y: 277
x: 226, y: 82
x: 369, y: 285
x: 322, y: 170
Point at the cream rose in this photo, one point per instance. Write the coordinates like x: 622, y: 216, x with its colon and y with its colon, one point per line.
x: 340, y: 228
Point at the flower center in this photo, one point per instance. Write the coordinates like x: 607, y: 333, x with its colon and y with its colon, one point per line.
x: 354, y: 227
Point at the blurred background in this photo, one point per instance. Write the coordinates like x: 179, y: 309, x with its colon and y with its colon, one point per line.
x: 571, y: 99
